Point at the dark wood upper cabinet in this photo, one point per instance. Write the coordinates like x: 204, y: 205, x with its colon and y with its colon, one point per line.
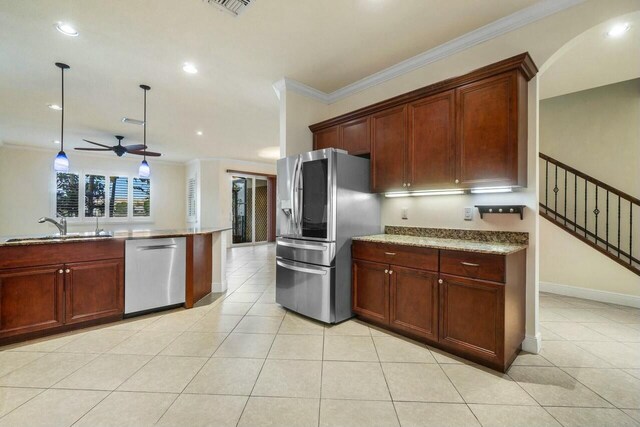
x: 94, y: 290
x: 370, y: 290
x: 31, y: 299
x: 465, y: 132
x: 414, y: 301
x: 354, y: 136
x: 487, y: 132
x: 388, y: 149
x: 327, y: 138
x: 431, y: 142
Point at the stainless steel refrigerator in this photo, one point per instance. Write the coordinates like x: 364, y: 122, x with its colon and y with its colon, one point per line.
x: 323, y: 200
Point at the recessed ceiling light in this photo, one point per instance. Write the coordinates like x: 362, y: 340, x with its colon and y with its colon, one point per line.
x: 618, y: 29
x: 199, y: 133
x: 66, y: 29
x: 55, y: 107
x: 56, y: 141
x: 189, y: 68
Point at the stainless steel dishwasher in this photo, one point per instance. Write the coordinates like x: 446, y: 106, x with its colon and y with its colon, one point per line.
x: 154, y: 274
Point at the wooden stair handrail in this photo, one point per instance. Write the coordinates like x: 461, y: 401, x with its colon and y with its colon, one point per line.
x: 591, y: 179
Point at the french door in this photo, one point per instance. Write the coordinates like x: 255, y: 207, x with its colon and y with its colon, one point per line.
x: 250, y: 209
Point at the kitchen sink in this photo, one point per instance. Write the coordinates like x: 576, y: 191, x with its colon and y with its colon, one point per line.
x: 89, y: 235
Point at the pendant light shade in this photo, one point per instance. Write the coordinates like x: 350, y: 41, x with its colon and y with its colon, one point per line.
x: 61, y: 162
x: 144, y: 171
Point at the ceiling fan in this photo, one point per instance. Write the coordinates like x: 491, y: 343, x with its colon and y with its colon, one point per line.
x: 120, y: 150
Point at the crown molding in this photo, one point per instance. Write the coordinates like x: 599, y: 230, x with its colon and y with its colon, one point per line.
x: 516, y: 20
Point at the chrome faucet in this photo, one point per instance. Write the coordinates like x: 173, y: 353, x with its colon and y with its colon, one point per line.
x: 62, y: 225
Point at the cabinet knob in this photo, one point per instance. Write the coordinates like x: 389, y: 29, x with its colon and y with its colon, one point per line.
x: 404, y: 184
x: 408, y: 184
x: 60, y: 271
x: 457, y: 181
x: 67, y: 271
x: 440, y: 281
x: 386, y: 271
x: 390, y: 271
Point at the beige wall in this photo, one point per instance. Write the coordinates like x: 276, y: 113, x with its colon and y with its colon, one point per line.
x: 27, y: 189
x: 596, y: 131
x: 565, y: 260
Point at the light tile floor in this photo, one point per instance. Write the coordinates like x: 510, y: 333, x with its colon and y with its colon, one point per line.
x: 242, y: 360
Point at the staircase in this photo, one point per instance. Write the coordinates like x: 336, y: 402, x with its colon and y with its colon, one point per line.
x: 592, y: 211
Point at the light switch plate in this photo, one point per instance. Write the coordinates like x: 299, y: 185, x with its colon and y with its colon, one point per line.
x: 404, y: 213
x: 468, y: 214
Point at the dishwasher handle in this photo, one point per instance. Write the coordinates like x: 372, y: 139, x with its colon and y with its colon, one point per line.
x: 155, y: 247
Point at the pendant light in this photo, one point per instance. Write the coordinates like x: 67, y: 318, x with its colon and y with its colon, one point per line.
x: 61, y: 163
x: 144, y: 171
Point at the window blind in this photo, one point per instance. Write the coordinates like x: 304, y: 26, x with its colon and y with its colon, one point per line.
x: 94, y: 196
x: 141, y: 197
x: 191, y: 199
x: 118, y: 196
x: 67, y: 189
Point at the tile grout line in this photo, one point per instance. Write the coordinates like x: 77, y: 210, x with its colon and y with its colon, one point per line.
x: 384, y: 376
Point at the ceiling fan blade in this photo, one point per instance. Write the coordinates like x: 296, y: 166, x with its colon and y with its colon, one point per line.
x: 93, y: 149
x: 136, y: 147
x: 96, y: 143
x: 148, y: 153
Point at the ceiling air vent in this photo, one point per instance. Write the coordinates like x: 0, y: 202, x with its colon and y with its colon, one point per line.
x: 132, y: 121
x: 234, y: 7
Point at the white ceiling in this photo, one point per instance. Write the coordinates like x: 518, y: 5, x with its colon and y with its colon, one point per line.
x: 122, y: 43
x: 593, y: 59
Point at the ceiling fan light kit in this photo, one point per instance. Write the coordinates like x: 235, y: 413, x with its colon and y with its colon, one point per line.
x: 61, y: 162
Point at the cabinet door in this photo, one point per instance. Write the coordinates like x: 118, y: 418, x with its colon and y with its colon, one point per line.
x: 472, y: 317
x: 355, y: 136
x: 31, y: 299
x: 414, y: 301
x: 388, y: 147
x: 326, y: 138
x: 431, y: 149
x: 370, y: 290
x: 488, y: 132
x: 94, y: 289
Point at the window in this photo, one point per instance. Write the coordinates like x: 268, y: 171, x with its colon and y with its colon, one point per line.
x: 94, y: 196
x: 141, y: 197
x: 117, y: 198
x: 67, y: 189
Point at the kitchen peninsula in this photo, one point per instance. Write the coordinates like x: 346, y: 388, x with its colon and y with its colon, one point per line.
x: 50, y: 284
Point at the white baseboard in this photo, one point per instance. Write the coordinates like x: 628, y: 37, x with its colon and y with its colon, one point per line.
x: 591, y: 294
x: 532, y: 343
x: 218, y: 287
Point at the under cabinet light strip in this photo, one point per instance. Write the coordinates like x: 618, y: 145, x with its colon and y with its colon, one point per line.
x: 486, y: 190
x: 424, y: 193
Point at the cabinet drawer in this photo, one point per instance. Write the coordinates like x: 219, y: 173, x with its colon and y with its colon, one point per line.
x: 404, y: 256
x: 473, y: 264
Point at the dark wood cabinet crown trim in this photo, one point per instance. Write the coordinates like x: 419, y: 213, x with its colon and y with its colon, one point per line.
x: 522, y: 63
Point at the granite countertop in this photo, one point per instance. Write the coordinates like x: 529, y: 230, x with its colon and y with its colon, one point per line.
x: 124, y: 234
x: 458, y: 244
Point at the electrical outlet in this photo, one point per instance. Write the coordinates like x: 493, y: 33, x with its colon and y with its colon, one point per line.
x: 468, y: 214
x: 404, y: 213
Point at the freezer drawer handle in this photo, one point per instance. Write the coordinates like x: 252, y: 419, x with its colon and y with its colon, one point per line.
x: 302, y: 269
x: 154, y: 247
x: 298, y: 246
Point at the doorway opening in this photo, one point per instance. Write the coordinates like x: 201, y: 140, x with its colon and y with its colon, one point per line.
x: 252, y: 209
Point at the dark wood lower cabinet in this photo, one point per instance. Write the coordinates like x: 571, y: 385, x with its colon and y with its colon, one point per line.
x: 414, y: 301
x: 472, y: 314
x: 370, y: 290
x: 31, y: 299
x: 463, y: 313
x: 94, y: 290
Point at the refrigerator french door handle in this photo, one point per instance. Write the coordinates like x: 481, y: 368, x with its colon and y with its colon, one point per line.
x: 298, y: 191
x: 294, y: 192
x: 302, y: 269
